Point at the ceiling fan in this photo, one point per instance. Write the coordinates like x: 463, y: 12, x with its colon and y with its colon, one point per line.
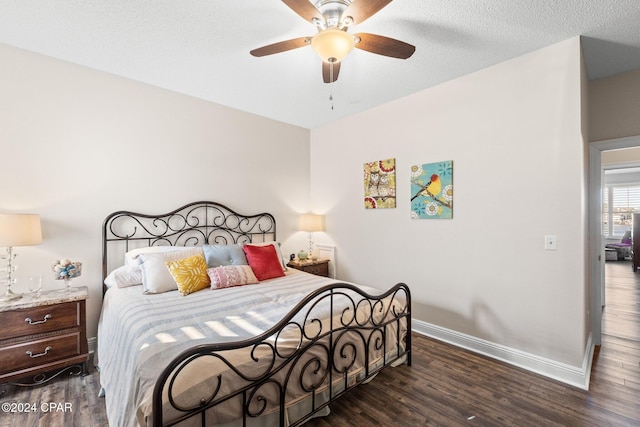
x: 333, y: 41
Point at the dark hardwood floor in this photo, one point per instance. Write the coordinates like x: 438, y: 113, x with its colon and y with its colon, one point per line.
x: 445, y: 386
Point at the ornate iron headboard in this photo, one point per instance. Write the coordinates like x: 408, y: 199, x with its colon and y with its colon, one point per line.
x: 194, y: 224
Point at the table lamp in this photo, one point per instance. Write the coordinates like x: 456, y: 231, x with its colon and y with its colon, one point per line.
x: 311, y: 223
x: 17, y: 230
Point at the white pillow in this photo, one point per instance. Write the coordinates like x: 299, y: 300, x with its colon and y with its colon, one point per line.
x: 277, y: 246
x: 156, y: 277
x: 122, y: 277
x: 131, y: 257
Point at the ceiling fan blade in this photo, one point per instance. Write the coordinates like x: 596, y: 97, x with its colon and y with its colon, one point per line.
x: 361, y: 10
x: 304, y: 8
x: 330, y: 71
x: 384, y: 46
x: 281, y: 46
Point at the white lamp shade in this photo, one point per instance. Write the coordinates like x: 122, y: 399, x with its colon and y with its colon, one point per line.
x: 311, y: 223
x: 332, y: 45
x: 20, y: 230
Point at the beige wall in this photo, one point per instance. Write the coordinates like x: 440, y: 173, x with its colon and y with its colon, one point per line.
x: 623, y: 155
x: 514, y: 133
x: 614, y: 107
x: 584, y: 123
x: 78, y: 144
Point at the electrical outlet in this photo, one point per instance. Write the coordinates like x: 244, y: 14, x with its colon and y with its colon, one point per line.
x: 550, y: 242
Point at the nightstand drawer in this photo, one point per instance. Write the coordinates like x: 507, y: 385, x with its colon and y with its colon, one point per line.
x: 37, y: 320
x: 39, y: 338
x: 320, y: 270
x: 27, y: 354
x: 318, y: 267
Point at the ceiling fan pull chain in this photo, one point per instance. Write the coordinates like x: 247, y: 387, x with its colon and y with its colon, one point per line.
x: 331, y: 100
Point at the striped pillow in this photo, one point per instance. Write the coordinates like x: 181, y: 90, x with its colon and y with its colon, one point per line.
x: 227, y: 276
x: 190, y: 274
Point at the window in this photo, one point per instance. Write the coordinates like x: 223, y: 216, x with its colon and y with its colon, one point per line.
x: 619, y: 203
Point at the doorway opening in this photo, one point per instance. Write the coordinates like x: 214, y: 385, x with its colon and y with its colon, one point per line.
x: 597, y: 243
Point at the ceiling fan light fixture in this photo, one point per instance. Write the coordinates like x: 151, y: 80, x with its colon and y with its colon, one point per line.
x: 332, y: 45
x: 346, y: 22
x: 319, y: 23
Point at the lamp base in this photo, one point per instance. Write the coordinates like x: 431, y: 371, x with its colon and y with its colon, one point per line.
x: 9, y: 296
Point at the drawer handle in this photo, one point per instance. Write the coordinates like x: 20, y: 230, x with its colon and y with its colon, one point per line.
x: 31, y: 322
x: 46, y: 350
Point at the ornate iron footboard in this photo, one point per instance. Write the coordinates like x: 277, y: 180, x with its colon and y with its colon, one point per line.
x: 329, y: 356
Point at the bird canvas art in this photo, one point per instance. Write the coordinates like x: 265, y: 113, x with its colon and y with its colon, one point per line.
x: 432, y: 190
x: 380, y: 184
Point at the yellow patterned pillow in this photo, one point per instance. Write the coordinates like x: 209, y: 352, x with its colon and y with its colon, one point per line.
x: 190, y: 274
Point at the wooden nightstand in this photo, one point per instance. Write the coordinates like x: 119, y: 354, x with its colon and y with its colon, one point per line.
x: 319, y: 267
x: 44, y: 335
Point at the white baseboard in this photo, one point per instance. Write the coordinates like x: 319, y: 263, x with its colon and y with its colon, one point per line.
x: 572, y: 375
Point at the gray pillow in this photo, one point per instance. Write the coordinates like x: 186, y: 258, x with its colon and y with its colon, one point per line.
x: 219, y: 255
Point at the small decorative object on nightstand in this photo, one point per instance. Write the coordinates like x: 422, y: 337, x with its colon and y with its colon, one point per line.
x: 318, y: 267
x: 41, y: 338
x: 66, y: 270
x: 35, y: 286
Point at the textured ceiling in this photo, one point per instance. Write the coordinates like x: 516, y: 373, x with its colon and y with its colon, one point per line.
x: 201, y: 47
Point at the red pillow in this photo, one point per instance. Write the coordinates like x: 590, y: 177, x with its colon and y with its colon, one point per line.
x: 263, y: 261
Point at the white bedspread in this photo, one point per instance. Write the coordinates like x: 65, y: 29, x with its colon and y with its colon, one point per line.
x: 139, y: 334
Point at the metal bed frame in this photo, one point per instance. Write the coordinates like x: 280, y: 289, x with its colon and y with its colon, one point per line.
x: 194, y: 224
x: 322, y: 362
